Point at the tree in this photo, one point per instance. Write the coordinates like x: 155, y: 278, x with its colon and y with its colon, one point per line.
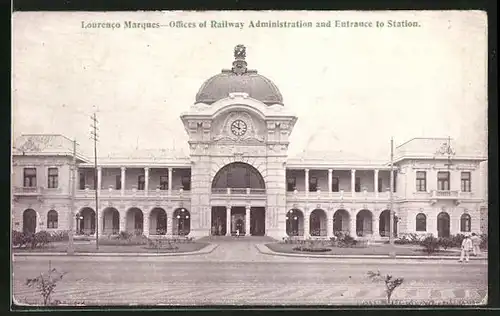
x: 390, y: 283
x: 46, y: 283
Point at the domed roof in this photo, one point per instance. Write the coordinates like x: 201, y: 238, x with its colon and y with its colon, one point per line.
x: 239, y: 79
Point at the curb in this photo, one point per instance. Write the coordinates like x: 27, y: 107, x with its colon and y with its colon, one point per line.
x: 262, y: 248
x: 205, y: 250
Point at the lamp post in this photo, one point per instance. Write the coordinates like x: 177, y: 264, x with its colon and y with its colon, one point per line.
x: 392, y: 251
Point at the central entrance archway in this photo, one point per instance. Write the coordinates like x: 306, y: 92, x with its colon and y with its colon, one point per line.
x: 238, y: 176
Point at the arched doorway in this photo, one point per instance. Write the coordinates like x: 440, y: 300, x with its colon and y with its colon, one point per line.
x: 384, y: 228
x: 29, y: 221
x: 158, y: 221
x: 238, y: 176
x: 295, y: 223
x: 257, y: 221
x: 364, y: 223
x: 341, y: 222
x: 110, y: 221
x: 85, y: 221
x: 317, y: 223
x: 219, y: 221
x: 181, y: 222
x: 135, y: 221
x: 443, y: 223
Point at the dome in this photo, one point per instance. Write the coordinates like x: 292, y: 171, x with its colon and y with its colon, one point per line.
x: 239, y: 79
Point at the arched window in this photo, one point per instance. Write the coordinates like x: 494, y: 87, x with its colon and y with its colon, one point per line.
x: 52, y: 219
x: 465, y: 223
x: 421, y: 222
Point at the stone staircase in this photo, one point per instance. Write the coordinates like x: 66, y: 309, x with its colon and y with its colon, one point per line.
x: 255, y: 239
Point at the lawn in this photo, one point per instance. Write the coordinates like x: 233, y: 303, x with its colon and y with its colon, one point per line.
x: 377, y: 249
x: 90, y: 247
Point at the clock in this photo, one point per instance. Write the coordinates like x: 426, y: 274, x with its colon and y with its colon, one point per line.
x: 238, y: 127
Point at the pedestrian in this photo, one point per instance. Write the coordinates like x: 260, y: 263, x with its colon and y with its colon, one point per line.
x: 237, y: 232
x: 476, y: 242
x: 466, y: 248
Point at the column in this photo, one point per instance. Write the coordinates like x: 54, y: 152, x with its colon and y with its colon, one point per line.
x: 169, y: 223
x: 375, y: 182
x: 170, y: 180
x: 353, y: 182
x: 145, y: 229
x: 352, y: 230
x: 330, y: 172
x: 329, y: 223
x: 306, y: 179
x: 146, y: 181
x: 375, y: 225
x: 247, y: 221
x: 99, y: 178
x: 123, y: 221
x: 306, y: 223
x: 228, y: 220
x: 122, y: 179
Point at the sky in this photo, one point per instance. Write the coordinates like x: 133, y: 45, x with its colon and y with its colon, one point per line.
x: 351, y: 88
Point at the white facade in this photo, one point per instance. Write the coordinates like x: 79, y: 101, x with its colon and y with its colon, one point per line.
x: 238, y: 175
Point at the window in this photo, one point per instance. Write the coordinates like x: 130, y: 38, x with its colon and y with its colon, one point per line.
x: 290, y: 184
x: 421, y: 222
x: 82, y: 180
x: 118, y: 181
x: 357, y: 184
x: 186, y: 183
x: 380, y: 185
x: 52, y: 178
x: 140, y: 182
x: 465, y: 181
x: 52, y: 219
x: 163, y: 182
x: 465, y: 223
x: 313, y: 184
x: 443, y: 181
x: 335, y: 184
x: 30, y: 177
x: 421, y: 181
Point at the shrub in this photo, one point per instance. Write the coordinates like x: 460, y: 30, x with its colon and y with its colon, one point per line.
x: 484, y: 242
x: 311, y: 249
x: 130, y: 241
x: 40, y: 239
x: 446, y: 242
x: 390, y: 283
x: 18, y: 238
x: 124, y: 235
x: 456, y: 240
x: 343, y: 240
x: 59, y: 236
x: 430, y: 244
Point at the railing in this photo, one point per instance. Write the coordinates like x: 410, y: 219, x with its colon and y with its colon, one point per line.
x: 320, y: 195
x: 444, y: 194
x: 238, y: 191
x: 27, y: 190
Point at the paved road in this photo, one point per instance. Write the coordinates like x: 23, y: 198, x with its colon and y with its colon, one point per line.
x: 236, y: 273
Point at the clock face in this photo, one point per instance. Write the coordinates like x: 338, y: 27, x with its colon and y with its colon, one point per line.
x: 239, y: 127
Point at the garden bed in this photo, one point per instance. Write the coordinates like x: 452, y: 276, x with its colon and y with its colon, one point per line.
x: 381, y: 249
x: 58, y: 247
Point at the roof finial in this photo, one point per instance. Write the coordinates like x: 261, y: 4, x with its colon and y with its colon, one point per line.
x: 240, y: 52
x: 239, y: 63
